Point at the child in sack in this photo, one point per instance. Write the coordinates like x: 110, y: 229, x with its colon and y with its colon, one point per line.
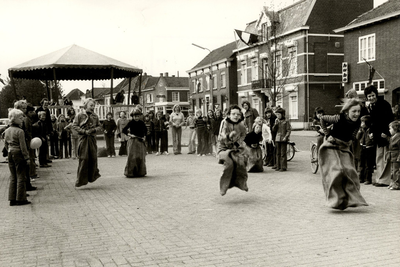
x: 232, y: 152
x: 252, y: 140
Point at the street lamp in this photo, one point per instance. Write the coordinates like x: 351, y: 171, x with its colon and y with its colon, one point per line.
x: 211, y: 86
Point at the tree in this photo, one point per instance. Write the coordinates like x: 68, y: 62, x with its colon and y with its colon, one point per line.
x: 33, y: 91
x: 281, y: 64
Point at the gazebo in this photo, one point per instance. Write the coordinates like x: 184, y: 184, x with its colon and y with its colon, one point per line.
x: 73, y: 63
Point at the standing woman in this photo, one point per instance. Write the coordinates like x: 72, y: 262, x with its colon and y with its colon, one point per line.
x: 210, y: 132
x: 177, y: 119
x: 167, y: 123
x: 136, y: 130
x: 109, y: 127
x: 201, y: 131
x: 152, y: 140
x: 87, y: 124
x: 121, y: 123
x: 217, y: 125
x: 250, y: 114
x: 339, y: 176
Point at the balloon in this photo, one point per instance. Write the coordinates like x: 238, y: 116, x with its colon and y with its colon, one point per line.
x: 36, y: 143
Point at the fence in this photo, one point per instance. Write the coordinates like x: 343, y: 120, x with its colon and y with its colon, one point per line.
x: 100, y: 110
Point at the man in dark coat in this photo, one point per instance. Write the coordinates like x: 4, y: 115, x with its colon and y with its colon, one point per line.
x: 381, y: 115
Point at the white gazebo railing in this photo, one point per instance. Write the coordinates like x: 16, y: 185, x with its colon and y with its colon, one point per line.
x: 100, y: 110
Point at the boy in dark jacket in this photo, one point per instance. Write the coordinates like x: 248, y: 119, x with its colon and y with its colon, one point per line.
x: 367, y: 155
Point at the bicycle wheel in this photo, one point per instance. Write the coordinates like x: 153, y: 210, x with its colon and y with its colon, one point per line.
x: 314, y: 159
x: 290, y: 151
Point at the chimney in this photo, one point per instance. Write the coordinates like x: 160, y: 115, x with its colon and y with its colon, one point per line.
x: 166, y: 74
x: 161, y: 74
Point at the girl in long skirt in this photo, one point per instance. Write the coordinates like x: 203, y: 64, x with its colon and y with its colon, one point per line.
x: 232, y: 152
x: 87, y: 124
x: 136, y: 131
x: 339, y: 175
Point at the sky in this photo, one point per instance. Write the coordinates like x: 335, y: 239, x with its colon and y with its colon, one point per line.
x: 154, y: 35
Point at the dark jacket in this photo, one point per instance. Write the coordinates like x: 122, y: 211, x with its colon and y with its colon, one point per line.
x: 381, y: 115
x: 110, y: 126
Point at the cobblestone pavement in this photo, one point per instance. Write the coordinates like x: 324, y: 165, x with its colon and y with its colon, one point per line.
x: 175, y: 217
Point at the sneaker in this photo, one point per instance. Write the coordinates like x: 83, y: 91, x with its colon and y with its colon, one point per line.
x: 113, y: 156
x: 166, y: 153
x: 198, y: 155
x: 158, y: 154
x: 108, y: 156
x: 203, y: 155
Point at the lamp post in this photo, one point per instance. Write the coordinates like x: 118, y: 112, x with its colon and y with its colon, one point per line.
x: 211, y: 78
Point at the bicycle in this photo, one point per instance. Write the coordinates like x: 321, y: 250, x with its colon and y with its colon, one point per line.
x: 291, y: 150
x: 314, y: 157
x: 314, y: 150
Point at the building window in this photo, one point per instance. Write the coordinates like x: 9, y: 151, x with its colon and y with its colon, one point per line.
x: 175, y: 96
x: 293, y: 106
x: 366, y: 48
x: 214, y: 81
x: 149, y: 98
x: 194, y: 83
x: 200, y: 85
x: 208, y: 82
x: 292, y: 53
x: 278, y: 65
x: 243, y: 73
x: 264, y: 31
x: 279, y: 100
x: 254, y: 70
x: 360, y: 86
x: 223, y: 80
x: 256, y: 103
x: 160, y: 109
x: 266, y: 68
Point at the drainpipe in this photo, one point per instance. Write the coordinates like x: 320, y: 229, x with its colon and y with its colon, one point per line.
x: 308, y: 83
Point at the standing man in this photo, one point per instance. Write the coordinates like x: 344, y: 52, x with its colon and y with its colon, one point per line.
x: 27, y: 128
x: 47, y: 123
x: 381, y: 115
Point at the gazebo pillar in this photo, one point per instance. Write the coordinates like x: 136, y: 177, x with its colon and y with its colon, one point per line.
x: 111, y: 89
x: 49, y: 94
x: 140, y: 88
x: 92, y: 89
x: 129, y: 90
x: 55, y: 97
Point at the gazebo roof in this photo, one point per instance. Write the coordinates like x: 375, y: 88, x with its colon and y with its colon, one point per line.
x: 73, y: 63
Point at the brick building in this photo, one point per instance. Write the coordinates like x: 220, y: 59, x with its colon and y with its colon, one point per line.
x: 374, y: 37
x: 296, y: 62
x: 158, y: 93
x: 223, y: 80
